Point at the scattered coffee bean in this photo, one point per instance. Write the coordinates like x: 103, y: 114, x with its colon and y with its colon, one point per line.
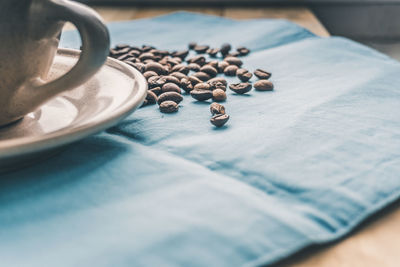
x: 146, y: 48
x: 201, y: 49
x: 262, y: 74
x: 139, y: 66
x: 170, y: 87
x: 234, y: 61
x: 178, y: 75
x: 156, y: 81
x: 199, y: 60
x: 225, y: 48
x: 172, y: 79
x: 194, y: 67
x: 209, y: 70
x: 123, y: 57
x: 156, y: 90
x: 181, y: 54
x: 216, y: 108
x: 122, y: 46
x: 202, y: 86
x: 201, y: 95
x: 186, y: 85
x: 202, y: 76
x: 231, y: 70
x: 170, y: 96
x: 132, y: 60
x: 217, y: 83
x: 147, y: 55
x: 151, y: 97
x: 149, y: 74
x: 233, y: 54
x: 192, y: 45
x: 180, y: 68
x: 241, y: 88
x: 213, y: 63
x: 194, y: 80
x: 264, y: 85
x: 219, y: 120
x: 244, y: 75
x: 221, y: 66
x: 213, y: 52
x: 218, y: 95
x: 243, y: 51
x: 134, y: 53
x: 156, y: 67
x: 168, y: 107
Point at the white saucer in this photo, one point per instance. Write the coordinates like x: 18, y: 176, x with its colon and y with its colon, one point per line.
x: 111, y: 95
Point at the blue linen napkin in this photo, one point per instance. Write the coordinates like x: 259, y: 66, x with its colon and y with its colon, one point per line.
x: 298, y: 166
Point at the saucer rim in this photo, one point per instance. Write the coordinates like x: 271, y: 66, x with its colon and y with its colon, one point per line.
x: 22, y: 146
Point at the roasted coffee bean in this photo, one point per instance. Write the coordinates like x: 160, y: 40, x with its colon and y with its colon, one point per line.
x: 213, y: 63
x: 262, y: 74
x: 164, y: 61
x: 219, y: 120
x: 123, y: 51
x: 243, y: 51
x: 216, y: 108
x: 202, y: 86
x: 172, y: 62
x: 218, y: 79
x: 168, y: 107
x: 151, y: 97
x: 231, y: 70
x: 221, y: 66
x: 156, y: 90
x: 194, y: 67
x: 172, y: 79
x: 123, y: 57
x: 213, y: 52
x: 144, y: 103
x: 244, y: 75
x: 170, y: 87
x: 132, y: 60
x: 134, y: 53
x: 233, y: 54
x: 209, y: 70
x: 201, y: 95
x: 147, y: 61
x: 156, y: 67
x: 202, y: 76
x: 132, y: 48
x: 264, y: 85
x: 178, y: 59
x: 225, y: 48
x: 114, y: 53
x: 180, y: 68
x: 194, y: 80
x: 147, y: 55
x: 156, y: 81
x: 149, y: 74
x: 178, y: 75
x: 199, y: 60
x: 186, y: 85
x: 147, y: 48
x: 170, y: 96
x: 233, y: 61
x: 241, y: 88
x: 218, y: 95
x: 217, y: 83
x: 139, y: 66
x: 121, y: 46
x: 192, y: 45
x: 201, y: 49
x: 181, y: 54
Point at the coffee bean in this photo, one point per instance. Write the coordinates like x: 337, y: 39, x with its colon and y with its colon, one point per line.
x: 233, y: 54
x: 217, y: 83
x: 121, y: 46
x: 231, y: 70
x: 161, y: 53
x: 134, y: 53
x: 201, y: 49
x: 244, y: 75
x: 219, y: 120
x: 146, y: 48
x: 172, y: 79
x: 219, y: 95
x: 123, y: 57
x: 180, y: 68
x: 178, y: 75
x: 132, y: 60
x: 121, y: 51
x: 194, y: 80
x: 156, y: 81
x: 243, y: 51
x: 213, y: 52
x: 216, y: 108
x: 149, y: 74
x: 146, y: 61
x: 264, y: 85
x: 181, y: 54
x: 209, y: 70
x: 233, y: 61
x: 168, y: 107
x: 199, y: 60
x: 202, y: 76
x: 241, y: 88
x: 192, y: 45
x: 135, y: 48
x: 262, y: 74
x: 194, y: 67
x: 170, y: 87
x: 225, y: 48
x: 170, y: 96
x: 221, y: 66
x: 151, y: 97
x: 147, y: 55
x: 202, y: 86
x: 139, y: 66
x: 156, y: 67
x: 214, y: 64
x: 156, y: 90
x: 186, y: 85
x: 172, y: 62
x: 201, y: 95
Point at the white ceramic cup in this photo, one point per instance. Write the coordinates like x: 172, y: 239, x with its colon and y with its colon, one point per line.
x: 29, y: 38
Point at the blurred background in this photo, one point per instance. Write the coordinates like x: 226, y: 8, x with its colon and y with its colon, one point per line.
x: 373, y: 22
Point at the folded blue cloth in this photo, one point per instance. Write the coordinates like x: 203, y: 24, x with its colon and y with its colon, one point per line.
x: 301, y: 165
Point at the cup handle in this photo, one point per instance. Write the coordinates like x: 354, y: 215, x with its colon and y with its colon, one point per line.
x: 95, y: 45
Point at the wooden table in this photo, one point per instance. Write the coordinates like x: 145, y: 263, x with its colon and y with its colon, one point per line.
x: 377, y: 242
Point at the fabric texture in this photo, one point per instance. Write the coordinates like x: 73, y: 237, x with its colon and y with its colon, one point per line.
x: 301, y: 165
